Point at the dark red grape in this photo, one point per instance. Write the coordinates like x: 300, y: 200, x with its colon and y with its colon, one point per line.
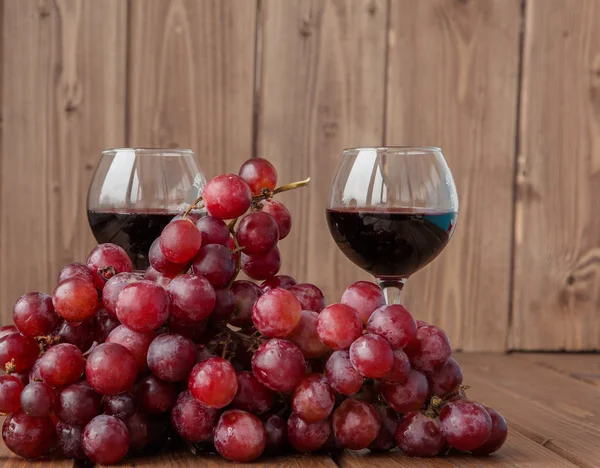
x: 213, y: 230
x: 68, y: 441
x: 22, y: 376
x: 137, y: 343
x: 105, y: 261
x: 77, y: 404
x: 224, y: 306
x: 252, y: 396
x: 180, y: 241
x: 10, y: 393
x: 276, y: 430
x: 280, y: 213
x: 394, y: 323
x: 307, y: 437
x: 313, y: 399
x: 191, y: 420
x: 341, y: 375
x: 37, y: 399
x: 279, y: 365
x: 7, y: 330
x: 154, y: 395
x: 355, y: 424
x: 419, y: 436
x: 230, y: 244
x: 279, y: 281
x: 257, y: 233
x: 27, y: 436
x: 497, y: 436
x: 203, y: 353
x: 75, y: 299
x: 137, y: 425
x: 104, y: 323
x: 245, y: 295
x: 188, y: 328
x: 259, y: 174
x: 34, y: 372
x: 385, y: 439
x: 400, y: 370
x: 75, y: 270
x: 192, y: 297
x: 276, y: 313
x: 81, y: 335
x: 171, y: 357
x: 310, y: 297
x: 122, y: 406
x: 306, y: 338
x: 34, y: 314
x: 159, y: 262
x: 111, y: 369
x: 446, y: 379
x: 105, y: 440
x: 113, y: 288
x: 408, y: 396
x: 465, y: 424
x: 339, y: 326
x: 143, y: 306
x: 371, y: 356
x: 62, y: 365
x: 429, y: 350
x: 19, y: 351
x: 227, y: 196
x: 364, y: 297
x: 213, y: 382
x: 240, y: 436
x: 262, y: 267
x: 215, y: 263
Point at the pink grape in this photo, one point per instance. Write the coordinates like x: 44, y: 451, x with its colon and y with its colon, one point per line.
x: 63, y: 364
x: 105, y: 440
x: 159, y: 262
x: 280, y: 213
x: 27, y: 436
x: 75, y: 270
x: 18, y: 350
x: 75, y: 299
x: 37, y: 399
x: 252, y: 396
x: 371, y: 356
x: 313, y: 399
x: 188, y: 328
x: 122, y: 406
x: 341, y: 375
x: 355, y: 424
x: 104, y: 323
x: 385, y: 439
x: 10, y: 393
x: 310, y: 297
x: 215, y: 263
x: 224, y: 305
x: 111, y: 369
x: 339, y: 326
x: 262, y: 267
x: 394, y: 323
x: 180, y: 241
x: 280, y: 281
x: 113, y: 288
x: 429, y: 350
x: 191, y: 420
x: 155, y: 396
x: 213, y: 382
x: 364, y: 297
x: 192, y: 297
x: 245, y: 295
x: 259, y: 174
x: 408, y: 396
x: 227, y: 196
x: 400, y: 369
x: 143, y: 306
x: 68, y: 441
x: 276, y: 430
x: 279, y: 365
x: 81, y: 335
x: 257, y: 233
x: 77, y: 403
x: 34, y: 315
x: 105, y: 261
x: 171, y: 357
x: 276, y: 313
x: 465, y: 424
x: 306, y: 338
x: 240, y: 436
x: 446, y: 379
x: 497, y: 436
x: 419, y: 436
x: 136, y: 343
x: 213, y: 230
x: 307, y: 437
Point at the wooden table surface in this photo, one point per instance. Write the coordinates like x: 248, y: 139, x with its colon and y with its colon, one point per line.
x: 551, y: 403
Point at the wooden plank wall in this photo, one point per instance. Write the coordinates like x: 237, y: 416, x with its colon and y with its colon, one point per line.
x: 509, y: 88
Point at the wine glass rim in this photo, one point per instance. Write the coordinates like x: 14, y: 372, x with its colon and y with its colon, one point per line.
x: 406, y: 148
x: 150, y: 150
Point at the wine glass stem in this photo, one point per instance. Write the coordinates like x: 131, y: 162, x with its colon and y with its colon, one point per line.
x: 392, y: 288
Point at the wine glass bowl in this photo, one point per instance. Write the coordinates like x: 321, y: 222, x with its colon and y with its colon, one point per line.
x: 392, y: 210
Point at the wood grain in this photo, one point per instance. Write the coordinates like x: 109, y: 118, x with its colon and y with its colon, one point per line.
x: 557, y: 227
x: 192, y: 78
x: 452, y: 82
x: 63, y: 101
x: 321, y: 89
x: 584, y: 367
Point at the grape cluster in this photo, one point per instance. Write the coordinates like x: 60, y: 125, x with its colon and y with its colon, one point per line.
x: 116, y: 363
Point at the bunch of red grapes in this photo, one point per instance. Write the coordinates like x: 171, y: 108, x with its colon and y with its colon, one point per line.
x: 117, y: 363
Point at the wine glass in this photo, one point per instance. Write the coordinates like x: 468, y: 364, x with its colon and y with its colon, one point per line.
x: 135, y: 192
x: 392, y: 210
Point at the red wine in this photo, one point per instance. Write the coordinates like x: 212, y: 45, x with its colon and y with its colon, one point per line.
x: 134, y: 231
x: 391, y: 243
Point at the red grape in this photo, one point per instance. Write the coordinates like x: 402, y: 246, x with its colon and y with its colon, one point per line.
x: 213, y: 230
x: 159, y: 262
x: 192, y: 297
x: 161, y: 279
x: 27, y: 436
x: 104, y: 323
x: 372, y: 356
x: 188, y: 328
x: 410, y: 395
x: 339, y: 326
x: 251, y: 395
x: 137, y: 343
x: 75, y: 299
x: 279, y: 365
x: 307, y: 437
x: 81, y: 335
x: 282, y: 216
x: 341, y: 375
x: 276, y: 313
x: 105, y: 261
x: 215, y: 263
x: 394, y: 323
x: 262, y: 267
x: 111, y: 369
x: 224, y: 305
x: 34, y: 314
x: 245, y: 295
x: 192, y: 421
x: 75, y: 270
x: 137, y: 425
x: 171, y: 357
x: 497, y: 436
x: 194, y: 216
x: 143, y: 306
x: 34, y: 372
x: 259, y: 174
x: 68, y: 441
x: 257, y: 233
x: 10, y: 393
x: 213, y: 382
x: 154, y: 395
x: 306, y: 338
x: 77, y: 403
x: 227, y: 196
x: 37, y: 399
x: 385, y: 439
x: 62, y: 365
x: 310, y: 297
x: 180, y: 241
x: 280, y: 281
x: 230, y: 244
x: 355, y: 424
x: 419, y: 436
x: 7, y: 330
x: 19, y: 351
x: 465, y: 424
x: 240, y: 436
x: 429, y: 350
x: 276, y: 430
x: 313, y: 399
x: 400, y: 370
x: 203, y: 353
x: 364, y: 297
x: 113, y: 288
x: 122, y: 406
x: 446, y: 379
x: 105, y: 440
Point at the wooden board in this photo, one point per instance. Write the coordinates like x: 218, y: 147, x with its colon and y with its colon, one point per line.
x: 584, y: 367
x: 321, y: 89
x: 63, y: 101
x: 452, y: 82
x: 191, y: 78
x: 557, y: 229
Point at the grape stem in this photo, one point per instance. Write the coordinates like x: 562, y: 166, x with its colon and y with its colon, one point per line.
x: 238, y: 249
